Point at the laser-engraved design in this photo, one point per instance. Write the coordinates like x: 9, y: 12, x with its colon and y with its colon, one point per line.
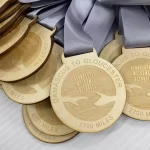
x: 134, y: 66
x: 43, y: 136
x: 43, y: 117
x: 73, y: 100
x: 89, y: 91
x: 36, y: 87
x: 86, y: 82
x: 136, y: 74
x: 129, y: 87
x: 104, y: 99
x: 28, y: 56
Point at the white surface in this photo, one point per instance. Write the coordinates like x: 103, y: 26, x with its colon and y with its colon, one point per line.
x: 126, y: 134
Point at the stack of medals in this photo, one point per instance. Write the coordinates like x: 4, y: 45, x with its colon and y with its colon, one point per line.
x: 81, y: 93
x: 29, y: 59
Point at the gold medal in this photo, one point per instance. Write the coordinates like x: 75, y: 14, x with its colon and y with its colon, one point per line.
x: 42, y: 136
x: 134, y: 66
x: 87, y: 93
x: 28, y: 56
x: 10, y: 11
x: 43, y: 117
x: 36, y: 87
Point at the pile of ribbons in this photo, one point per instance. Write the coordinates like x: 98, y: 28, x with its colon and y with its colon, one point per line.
x: 105, y: 68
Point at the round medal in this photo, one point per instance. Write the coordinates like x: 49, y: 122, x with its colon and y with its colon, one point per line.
x: 36, y: 87
x: 43, y: 117
x: 89, y: 91
x: 42, y: 136
x: 28, y: 56
x: 134, y: 67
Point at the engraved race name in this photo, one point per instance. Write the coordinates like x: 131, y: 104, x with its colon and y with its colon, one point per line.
x: 56, y: 83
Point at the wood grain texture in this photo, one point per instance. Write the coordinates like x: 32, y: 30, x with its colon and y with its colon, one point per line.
x: 43, y: 136
x: 89, y: 91
x: 28, y: 56
x: 134, y: 66
x: 43, y: 117
x: 36, y: 87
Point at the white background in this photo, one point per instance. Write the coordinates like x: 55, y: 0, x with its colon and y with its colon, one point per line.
x: 125, y: 134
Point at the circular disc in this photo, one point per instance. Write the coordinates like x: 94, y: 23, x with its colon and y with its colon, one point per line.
x: 36, y: 87
x: 88, y: 94
x: 28, y: 56
x: 42, y: 136
x: 112, y: 50
x: 43, y: 117
x: 134, y: 67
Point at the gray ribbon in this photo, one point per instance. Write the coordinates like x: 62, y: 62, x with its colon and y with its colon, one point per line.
x: 125, y: 2
x: 135, y: 26
x: 97, y: 31
x: 43, y: 3
x: 76, y: 41
x: 99, y: 25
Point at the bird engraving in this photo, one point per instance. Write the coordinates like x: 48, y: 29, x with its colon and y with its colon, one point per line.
x: 73, y: 100
x: 104, y: 99
x: 131, y: 86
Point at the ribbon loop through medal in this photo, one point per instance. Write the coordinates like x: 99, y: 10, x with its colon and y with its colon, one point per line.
x: 86, y: 84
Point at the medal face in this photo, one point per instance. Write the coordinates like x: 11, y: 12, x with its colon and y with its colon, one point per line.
x: 112, y: 50
x: 88, y: 94
x: 36, y: 87
x: 43, y: 117
x: 27, y: 56
x: 134, y: 67
x: 42, y: 136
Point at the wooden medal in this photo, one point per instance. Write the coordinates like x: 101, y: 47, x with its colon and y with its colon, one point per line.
x: 4, y: 26
x: 16, y: 35
x: 112, y: 50
x: 43, y: 136
x: 36, y: 87
x: 10, y: 11
x: 43, y: 117
x: 4, y: 4
x: 87, y: 93
x: 28, y: 55
x: 134, y: 67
